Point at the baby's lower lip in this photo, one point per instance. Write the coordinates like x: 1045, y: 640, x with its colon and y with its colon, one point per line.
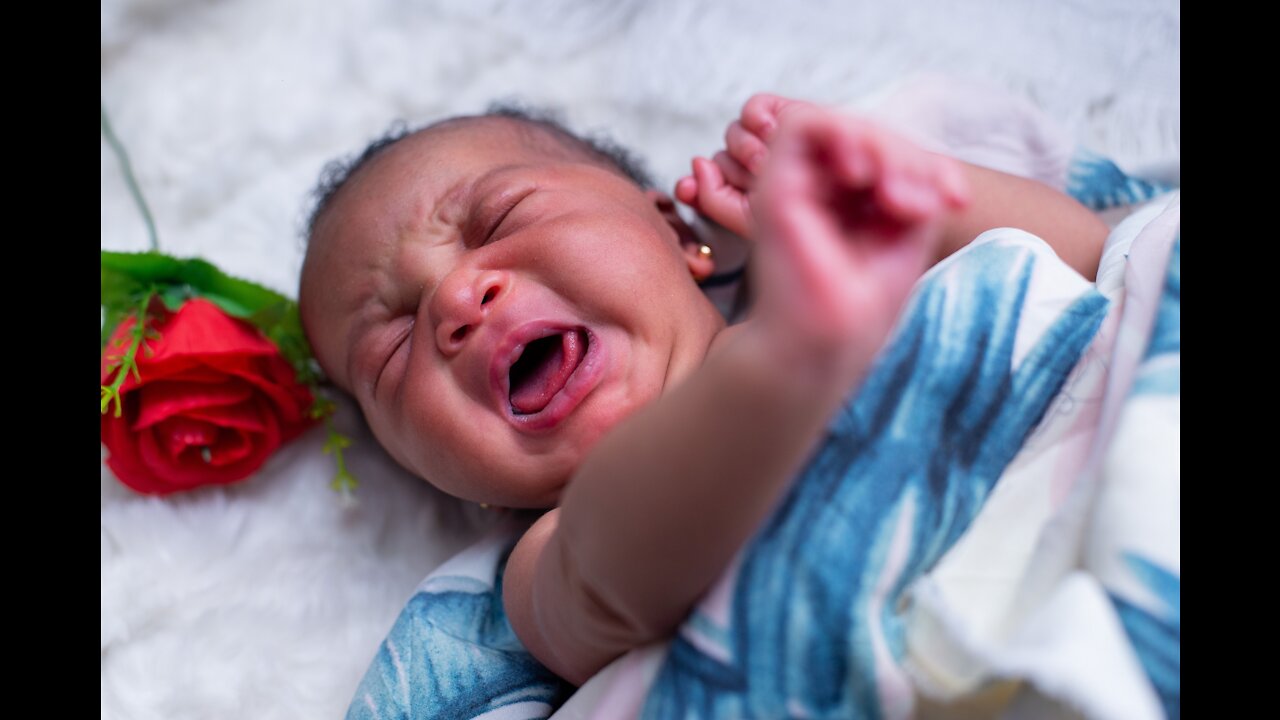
x: 580, y: 383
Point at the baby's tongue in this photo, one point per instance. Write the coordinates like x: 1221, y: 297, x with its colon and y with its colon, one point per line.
x: 543, y: 369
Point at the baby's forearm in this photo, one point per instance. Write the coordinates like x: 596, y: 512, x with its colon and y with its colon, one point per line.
x: 1003, y: 200
x: 664, y: 501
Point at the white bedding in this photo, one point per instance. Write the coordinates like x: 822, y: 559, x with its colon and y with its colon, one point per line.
x: 267, y: 600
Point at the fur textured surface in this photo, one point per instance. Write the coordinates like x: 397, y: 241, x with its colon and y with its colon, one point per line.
x: 268, y: 599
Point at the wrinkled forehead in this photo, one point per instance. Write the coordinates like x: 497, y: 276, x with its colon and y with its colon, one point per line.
x: 425, y: 167
x: 429, y: 171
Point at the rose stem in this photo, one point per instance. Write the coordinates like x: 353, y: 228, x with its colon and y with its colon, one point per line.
x: 118, y: 148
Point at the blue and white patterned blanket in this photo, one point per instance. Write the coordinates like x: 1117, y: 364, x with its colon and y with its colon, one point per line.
x: 992, y: 515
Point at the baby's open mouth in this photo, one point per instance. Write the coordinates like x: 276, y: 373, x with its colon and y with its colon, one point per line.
x: 543, y: 368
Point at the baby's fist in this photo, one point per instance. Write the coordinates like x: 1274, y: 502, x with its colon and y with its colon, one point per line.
x: 851, y: 214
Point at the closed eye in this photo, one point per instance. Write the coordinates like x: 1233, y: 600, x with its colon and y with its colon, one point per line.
x: 500, y: 217
x: 399, y: 341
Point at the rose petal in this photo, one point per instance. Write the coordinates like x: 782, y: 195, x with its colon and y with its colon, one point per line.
x: 180, y: 368
x: 184, y: 370
x: 190, y: 470
x: 281, y: 400
x: 198, y: 332
x: 275, y: 378
x: 300, y: 394
x: 241, y: 416
x: 232, y: 446
x: 199, y: 328
x: 232, y: 363
x: 176, y: 434
x: 162, y: 399
x: 125, y: 461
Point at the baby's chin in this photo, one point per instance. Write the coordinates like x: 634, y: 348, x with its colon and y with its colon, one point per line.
x: 532, y: 483
x: 545, y: 498
x: 542, y: 481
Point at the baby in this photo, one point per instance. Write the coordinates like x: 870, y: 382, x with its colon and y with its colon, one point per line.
x: 521, y: 323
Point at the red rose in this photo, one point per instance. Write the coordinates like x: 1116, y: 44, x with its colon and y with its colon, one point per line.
x: 215, y: 400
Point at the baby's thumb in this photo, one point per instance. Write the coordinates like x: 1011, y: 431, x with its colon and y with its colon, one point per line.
x: 719, y: 200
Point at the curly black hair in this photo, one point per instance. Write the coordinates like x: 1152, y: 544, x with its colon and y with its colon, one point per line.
x: 546, y: 123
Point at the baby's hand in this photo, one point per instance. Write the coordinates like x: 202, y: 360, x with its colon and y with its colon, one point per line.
x: 850, y: 215
x: 719, y: 188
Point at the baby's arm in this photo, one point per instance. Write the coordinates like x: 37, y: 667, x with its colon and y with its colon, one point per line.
x: 720, y: 189
x: 660, y: 507
x: 664, y: 501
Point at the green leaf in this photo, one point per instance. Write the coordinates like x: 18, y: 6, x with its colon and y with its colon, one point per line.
x: 174, y: 295
x: 237, y: 297
x: 283, y: 326
x: 127, y: 276
x: 119, y: 289
x: 121, y: 294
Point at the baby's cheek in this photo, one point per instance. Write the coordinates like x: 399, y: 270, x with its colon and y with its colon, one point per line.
x: 614, y: 408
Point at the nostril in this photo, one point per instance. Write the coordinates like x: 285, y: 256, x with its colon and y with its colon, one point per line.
x: 460, y: 333
x: 489, y: 295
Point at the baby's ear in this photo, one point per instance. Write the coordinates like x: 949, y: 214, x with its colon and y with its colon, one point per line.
x: 696, y: 253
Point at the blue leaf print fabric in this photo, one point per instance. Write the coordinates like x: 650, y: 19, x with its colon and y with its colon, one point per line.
x: 1099, y: 184
x: 1154, y: 626
x: 902, y: 472
x: 452, y: 653
x: 1157, y: 636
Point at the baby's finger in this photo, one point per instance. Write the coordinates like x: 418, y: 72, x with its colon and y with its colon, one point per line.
x: 912, y: 188
x: 718, y: 200
x: 745, y: 147
x: 760, y: 114
x: 854, y: 156
x: 686, y: 190
x: 862, y: 156
x: 907, y: 200
x: 736, y: 175
x: 796, y: 222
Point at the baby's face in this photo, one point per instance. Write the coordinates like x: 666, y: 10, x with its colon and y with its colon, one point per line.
x: 495, y: 308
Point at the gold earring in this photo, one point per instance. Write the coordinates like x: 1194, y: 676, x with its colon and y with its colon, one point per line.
x: 705, y: 253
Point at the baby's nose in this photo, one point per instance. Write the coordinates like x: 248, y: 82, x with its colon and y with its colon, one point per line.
x: 461, y: 304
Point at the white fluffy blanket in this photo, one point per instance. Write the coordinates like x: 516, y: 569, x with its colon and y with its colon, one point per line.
x: 268, y: 599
